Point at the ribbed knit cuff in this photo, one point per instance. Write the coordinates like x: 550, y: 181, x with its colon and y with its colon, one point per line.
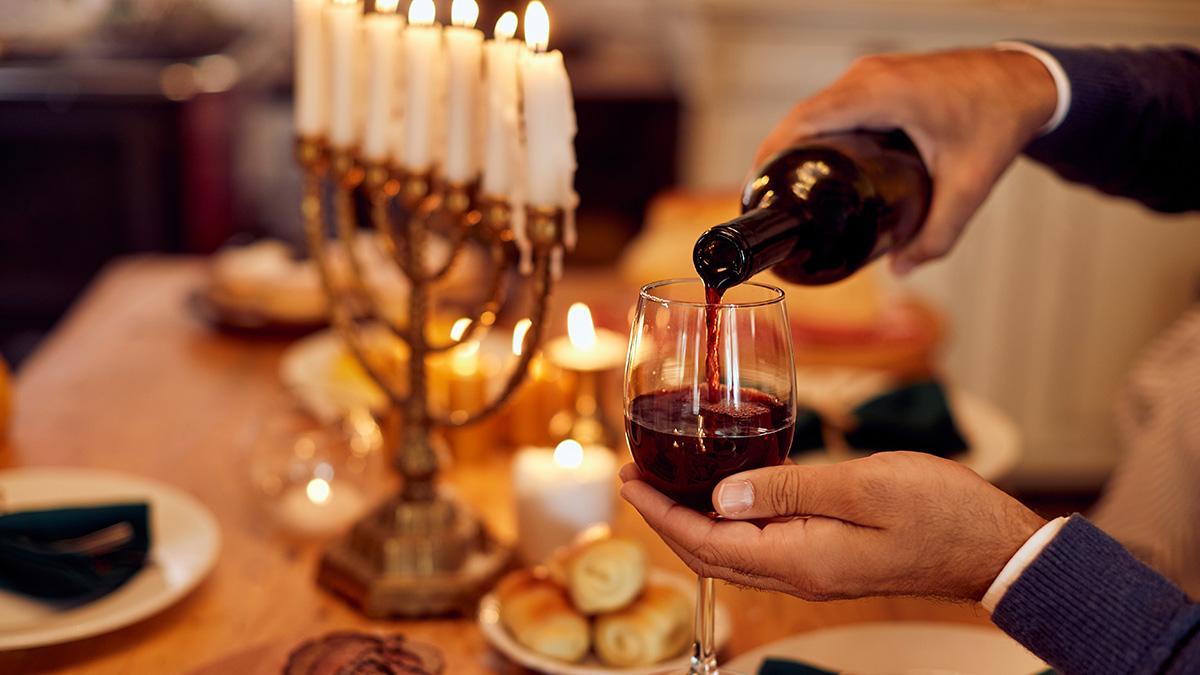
x: 1086, y: 605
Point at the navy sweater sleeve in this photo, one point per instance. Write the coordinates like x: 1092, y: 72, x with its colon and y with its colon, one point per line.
x: 1133, y: 128
x: 1085, y: 605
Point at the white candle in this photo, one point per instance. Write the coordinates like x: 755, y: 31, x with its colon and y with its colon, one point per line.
x: 464, y: 61
x: 319, y: 507
x: 312, y: 77
x: 343, y: 23
x: 503, y: 110
x: 549, y: 121
x: 560, y: 493
x: 383, y: 52
x: 586, y: 348
x: 423, y: 64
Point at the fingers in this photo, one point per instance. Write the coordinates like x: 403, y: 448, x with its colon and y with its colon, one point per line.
x: 957, y: 195
x: 835, y: 491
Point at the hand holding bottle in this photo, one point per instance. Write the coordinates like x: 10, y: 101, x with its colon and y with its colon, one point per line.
x: 969, y: 112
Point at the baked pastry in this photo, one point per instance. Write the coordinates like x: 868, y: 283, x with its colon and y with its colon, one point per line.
x: 601, y: 575
x: 655, y: 627
x: 351, y: 653
x: 537, y: 613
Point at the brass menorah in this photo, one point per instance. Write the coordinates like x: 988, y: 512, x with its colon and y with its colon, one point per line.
x: 422, y: 552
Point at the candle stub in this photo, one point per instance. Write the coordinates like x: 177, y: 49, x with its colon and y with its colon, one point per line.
x: 561, y: 492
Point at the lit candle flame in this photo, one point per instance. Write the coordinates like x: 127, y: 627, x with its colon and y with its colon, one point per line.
x: 537, y: 26
x: 519, y: 332
x: 580, y: 328
x: 569, y: 454
x: 345, y: 2
x: 386, y: 6
x: 459, y: 329
x: 506, y: 26
x: 421, y: 13
x: 464, y: 13
x: 318, y: 490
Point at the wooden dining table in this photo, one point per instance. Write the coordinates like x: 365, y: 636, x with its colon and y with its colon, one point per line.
x: 133, y: 381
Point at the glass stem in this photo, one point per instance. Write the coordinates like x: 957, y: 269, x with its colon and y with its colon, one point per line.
x: 704, y: 658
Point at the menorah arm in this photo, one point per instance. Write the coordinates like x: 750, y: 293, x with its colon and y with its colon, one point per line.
x: 543, y: 277
x: 313, y: 210
x: 385, y: 224
x: 486, y: 313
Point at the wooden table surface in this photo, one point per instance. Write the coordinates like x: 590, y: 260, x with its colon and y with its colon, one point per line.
x: 131, y: 381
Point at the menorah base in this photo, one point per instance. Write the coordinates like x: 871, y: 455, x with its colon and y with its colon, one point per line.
x: 415, y: 560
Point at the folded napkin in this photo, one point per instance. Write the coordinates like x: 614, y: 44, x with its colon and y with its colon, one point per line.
x: 913, y: 417
x: 73, y: 553
x: 786, y: 667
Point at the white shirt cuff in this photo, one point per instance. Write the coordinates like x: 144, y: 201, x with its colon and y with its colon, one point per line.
x: 1061, y: 83
x: 1024, y: 557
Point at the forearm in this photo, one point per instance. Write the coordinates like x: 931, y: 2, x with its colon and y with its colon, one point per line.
x: 1133, y: 125
x: 1086, y: 605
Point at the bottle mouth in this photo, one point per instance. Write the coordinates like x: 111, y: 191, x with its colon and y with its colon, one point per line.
x: 722, y: 257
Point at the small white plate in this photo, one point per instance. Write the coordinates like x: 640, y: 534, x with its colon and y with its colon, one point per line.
x: 498, y: 636
x: 184, y: 544
x: 900, y: 648
x: 995, y: 443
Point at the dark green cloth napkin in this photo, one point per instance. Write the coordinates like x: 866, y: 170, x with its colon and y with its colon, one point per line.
x: 50, y: 554
x: 915, y: 417
x: 786, y: 667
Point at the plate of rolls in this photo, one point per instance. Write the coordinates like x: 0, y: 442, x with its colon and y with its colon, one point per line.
x: 595, y: 608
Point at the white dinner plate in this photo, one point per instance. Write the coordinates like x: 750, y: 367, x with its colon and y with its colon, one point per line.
x: 994, y: 442
x: 498, y: 636
x: 900, y: 648
x: 184, y: 543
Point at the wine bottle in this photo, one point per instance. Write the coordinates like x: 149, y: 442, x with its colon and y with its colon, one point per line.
x: 818, y: 212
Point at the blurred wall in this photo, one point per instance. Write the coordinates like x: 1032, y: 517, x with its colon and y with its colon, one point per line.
x: 1055, y: 288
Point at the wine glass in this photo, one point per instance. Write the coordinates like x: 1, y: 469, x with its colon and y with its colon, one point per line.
x: 709, y: 392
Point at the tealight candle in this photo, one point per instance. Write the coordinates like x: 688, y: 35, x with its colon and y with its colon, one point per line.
x: 586, y: 348
x: 536, y: 401
x: 559, y: 493
x: 319, y: 507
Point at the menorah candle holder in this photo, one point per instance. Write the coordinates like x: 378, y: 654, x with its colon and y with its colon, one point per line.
x: 422, y: 552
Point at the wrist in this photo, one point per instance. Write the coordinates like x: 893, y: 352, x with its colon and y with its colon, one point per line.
x: 1019, y: 525
x: 1041, y: 83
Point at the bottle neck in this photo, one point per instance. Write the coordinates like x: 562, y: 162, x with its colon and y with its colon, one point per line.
x: 731, y: 253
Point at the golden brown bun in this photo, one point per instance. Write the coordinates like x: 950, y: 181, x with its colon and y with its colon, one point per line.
x: 655, y: 627
x: 537, y: 613
x: 601, y: 575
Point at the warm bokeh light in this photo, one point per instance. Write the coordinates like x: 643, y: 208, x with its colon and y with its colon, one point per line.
x: 537, y: 26
x: 519, y: 332
x: 569, y: 454
x: 506, y: 26
x: 386, y: 6
x: 459, y: 329
x: 317, y: 490
x: 580, y: 328
x: 422, y: 13
x: 464, y: 13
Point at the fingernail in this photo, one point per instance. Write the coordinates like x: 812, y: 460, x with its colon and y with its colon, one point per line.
x: 735, y: 497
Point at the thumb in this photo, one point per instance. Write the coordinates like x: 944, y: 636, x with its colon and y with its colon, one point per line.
x: 833, y: 491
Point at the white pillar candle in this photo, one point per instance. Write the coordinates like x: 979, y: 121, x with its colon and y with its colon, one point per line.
x: 312, y: 76
x: 343, y: 24
x: 502, y: 150
x: 549, y: 123
x: 383, y: 48
x: 423, y: 64
x: 559, y: 493
x: 464, y: 63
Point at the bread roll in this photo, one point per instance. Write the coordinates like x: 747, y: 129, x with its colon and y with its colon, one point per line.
x: 655, y: 627
x: 601, y: 575
x: 537, y: 613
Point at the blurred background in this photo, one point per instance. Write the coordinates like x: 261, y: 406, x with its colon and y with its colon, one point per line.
x: 133, y: 126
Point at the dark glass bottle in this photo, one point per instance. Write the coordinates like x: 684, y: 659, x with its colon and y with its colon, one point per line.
x: 820, y: 211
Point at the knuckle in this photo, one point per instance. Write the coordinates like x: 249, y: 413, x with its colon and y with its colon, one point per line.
x: 782, y: 495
